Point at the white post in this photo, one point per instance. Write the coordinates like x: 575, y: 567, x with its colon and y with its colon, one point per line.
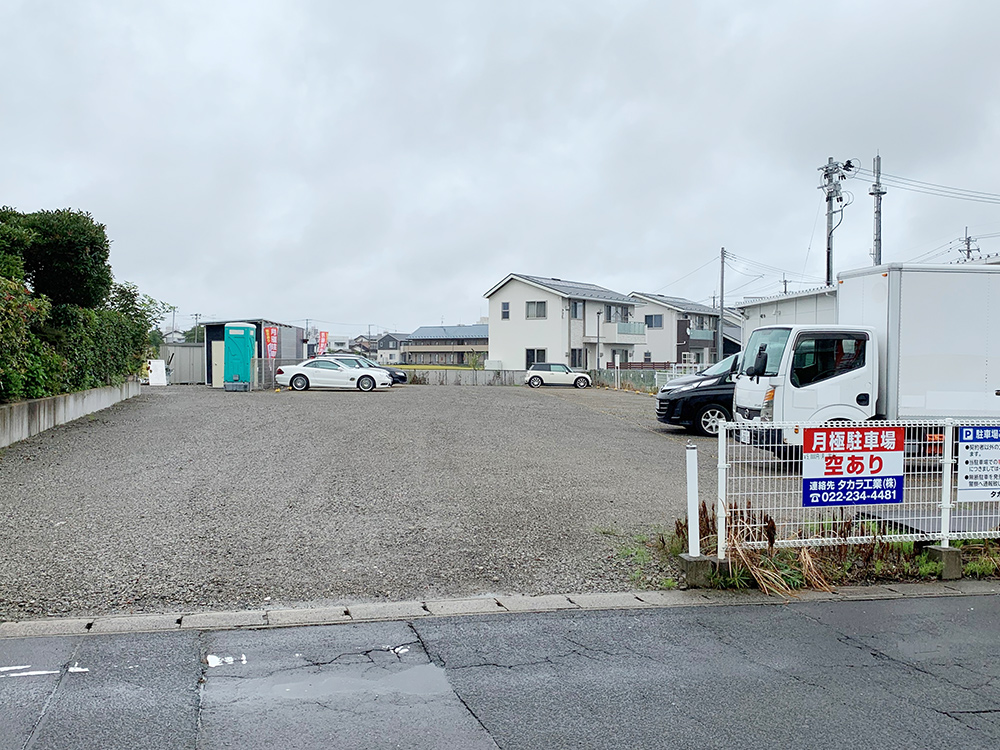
x: 946, y: 461
x: 694, y: 526
x: 720, y: 513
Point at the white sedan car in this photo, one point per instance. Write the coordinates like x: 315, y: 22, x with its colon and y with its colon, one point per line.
x: 325, y: 373
x: 542, y: 373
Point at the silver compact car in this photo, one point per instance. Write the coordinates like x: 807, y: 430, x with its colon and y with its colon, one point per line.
x: 551, y: 373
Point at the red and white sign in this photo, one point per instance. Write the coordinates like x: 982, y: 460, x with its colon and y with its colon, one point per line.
x: 321, y: 346
x: 852, y: 465
x: 271, y: 341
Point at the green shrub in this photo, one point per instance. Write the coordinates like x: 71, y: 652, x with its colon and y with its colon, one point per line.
x: 981, y: 567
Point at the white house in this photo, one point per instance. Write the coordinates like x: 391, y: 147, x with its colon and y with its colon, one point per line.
x: 817, y: 306
x: 679, y: 330
x: 536, y: 319
x: 174, y: 337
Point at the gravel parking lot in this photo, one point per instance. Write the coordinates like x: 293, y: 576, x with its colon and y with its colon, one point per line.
x: 189, y: 497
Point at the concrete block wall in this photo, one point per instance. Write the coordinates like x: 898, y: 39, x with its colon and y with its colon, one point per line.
x: 23, y: 419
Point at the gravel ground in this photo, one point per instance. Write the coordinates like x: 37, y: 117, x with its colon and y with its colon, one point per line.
x: 189, y: 497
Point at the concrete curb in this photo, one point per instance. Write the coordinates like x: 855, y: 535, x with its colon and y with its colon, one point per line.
x: 390, y: 611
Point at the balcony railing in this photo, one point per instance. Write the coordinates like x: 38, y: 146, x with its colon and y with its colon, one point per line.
x: 619, y: 333
x: 631, y: 329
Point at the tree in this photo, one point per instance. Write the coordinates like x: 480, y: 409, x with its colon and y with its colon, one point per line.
x: 475, y: 359
x: 67, y: 258
x: 14, y: 241
x: 194, y: 335
x: 140, y: 312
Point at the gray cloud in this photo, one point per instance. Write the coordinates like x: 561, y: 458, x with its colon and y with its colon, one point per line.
x: 387, y: 163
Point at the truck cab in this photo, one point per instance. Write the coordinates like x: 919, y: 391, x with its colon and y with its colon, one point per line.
x: 807, y: 373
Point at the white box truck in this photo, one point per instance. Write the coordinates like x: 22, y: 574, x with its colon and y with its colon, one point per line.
x: 912, y: 342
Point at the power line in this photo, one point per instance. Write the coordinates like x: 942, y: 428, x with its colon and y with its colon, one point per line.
x: 931, y: 188
x: 766, y: 267
x: 684, y: 276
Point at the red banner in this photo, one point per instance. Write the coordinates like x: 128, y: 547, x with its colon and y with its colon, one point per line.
x: 270, y: 342
x: 321, y: 346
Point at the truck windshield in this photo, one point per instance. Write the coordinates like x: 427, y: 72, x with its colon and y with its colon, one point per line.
x: 720, y: 368
x: 774, y: 341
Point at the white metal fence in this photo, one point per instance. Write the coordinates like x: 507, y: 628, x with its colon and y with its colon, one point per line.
x: 852, y: 482
x: 265, y: 370
x: 675, y: 371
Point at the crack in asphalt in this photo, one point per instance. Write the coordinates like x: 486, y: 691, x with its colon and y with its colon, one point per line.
x: 63, y: 671
x: 881, y: 656
x: 437, y: 661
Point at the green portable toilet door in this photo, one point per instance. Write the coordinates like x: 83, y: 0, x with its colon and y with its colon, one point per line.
x: 239, y: 353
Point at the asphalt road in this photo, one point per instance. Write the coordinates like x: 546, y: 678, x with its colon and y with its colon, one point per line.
x: 189, y: 498
x: 917, y: 672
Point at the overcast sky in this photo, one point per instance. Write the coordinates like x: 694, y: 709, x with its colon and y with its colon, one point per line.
x: 384, y: 164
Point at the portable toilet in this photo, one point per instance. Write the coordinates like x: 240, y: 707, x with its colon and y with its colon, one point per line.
x: 241, y: 347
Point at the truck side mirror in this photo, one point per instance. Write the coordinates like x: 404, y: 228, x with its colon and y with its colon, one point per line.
x: 759, y: 366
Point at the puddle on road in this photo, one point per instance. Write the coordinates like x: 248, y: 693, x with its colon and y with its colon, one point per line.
x: 422, y: 679
x: 217, y: 661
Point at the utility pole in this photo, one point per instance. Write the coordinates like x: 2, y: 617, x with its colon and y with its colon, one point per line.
x: 830, y: 186
x: 197, y: 317
x: 598, y: 340
x: 722, y: 306
x: 877, y: 191
x: 784, y: 283
x: 968, y: 245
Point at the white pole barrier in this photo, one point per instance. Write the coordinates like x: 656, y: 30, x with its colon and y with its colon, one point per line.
x: 694, y: 526
x: 946, y: 461
x: 720, y: 514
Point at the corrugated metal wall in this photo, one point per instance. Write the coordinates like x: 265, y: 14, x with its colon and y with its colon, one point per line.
x: 185, y: 363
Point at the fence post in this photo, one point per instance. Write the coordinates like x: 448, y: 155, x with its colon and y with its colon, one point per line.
x: 720, y: 513
x: 946, y: 461
x: 694, y: 524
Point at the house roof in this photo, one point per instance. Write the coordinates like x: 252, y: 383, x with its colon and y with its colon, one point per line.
x: 749, y: 301
x: 567, y: 289
x: 478, y: 331
x: 253, y: 321
x: 677, y: 303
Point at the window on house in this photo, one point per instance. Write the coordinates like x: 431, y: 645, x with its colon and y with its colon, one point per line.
x: 616, y: 313
x: 654, y: 321
x: 392, y: 344
x: 505, y: 311
x: 576, y: 358
x: 531, y: 356
x: 647, y: 357
x: 576, y: 309
x: 534, y: 310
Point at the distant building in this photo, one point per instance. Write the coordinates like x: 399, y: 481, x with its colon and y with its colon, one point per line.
x: 445, y: 345
x: 538, y: 319
x: 173, y: 337
x: 363, y: 345
x: 679, y: 330
x: 389, y: 348
x: 815, y: 306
